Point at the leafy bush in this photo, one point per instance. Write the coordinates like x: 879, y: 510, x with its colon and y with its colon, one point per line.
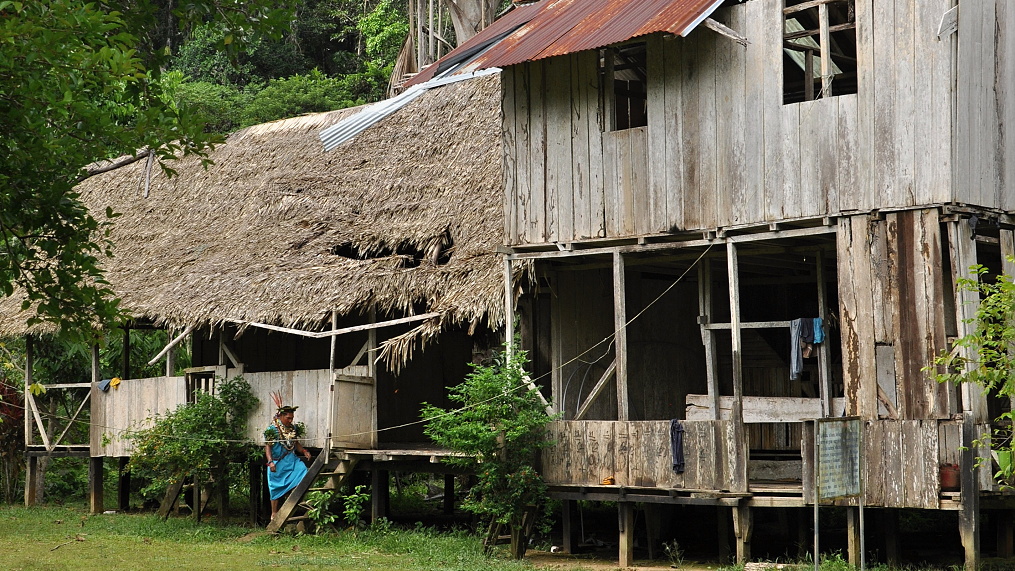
x: 499, y: 428
x: 198, y: 439
x: 384, y: 30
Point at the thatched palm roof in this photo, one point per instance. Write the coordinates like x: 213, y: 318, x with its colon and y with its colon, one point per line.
x: 272, y: 232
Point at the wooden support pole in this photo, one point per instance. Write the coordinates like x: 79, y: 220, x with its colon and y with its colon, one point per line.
x: 890, y: 530
x: 380, y: 490
x: 969, y: 513
x: 372, y: 373
x: 743, y: 523
x: 707, y: 336
x: 626, y: 528
x: 739, y: 478
x: 653, y: 528
x: 722, y: 521
x: 620, y: 332
x: 570, y: 524
x: 853, y: 536
x: 31, y: 478
x: 826, y: 52
x: 123, y: 485
x: 125, y: 372
x: 962, y: 251
x: 1005, y: 527
x: 824, y: 353
x: 449, y: 494
x: 254, y: 481
x: 95, y: 482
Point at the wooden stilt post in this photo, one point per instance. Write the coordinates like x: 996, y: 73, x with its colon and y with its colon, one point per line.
x: 723, y: 534
x: 31, y: 478
x: 890, y: 522
x: 969, y: 513
x: 254, y: 480
x: 626, y: 526
x: 743, y: 522
x: 125, y: 373
x: 123, y: 486
x: 449, y: 494
x: 653, y: 525
x: 95, y: 481
x: 379, y: 488
x: 1005, y: 526
x: 570, y: 525
x: 620, y: 334
x: 32, y: 465
x: 853, y: 536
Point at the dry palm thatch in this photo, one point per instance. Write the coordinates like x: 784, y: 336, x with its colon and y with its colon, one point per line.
x: 404, y: 218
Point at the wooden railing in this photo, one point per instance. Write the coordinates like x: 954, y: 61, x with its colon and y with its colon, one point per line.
x: 638, y: 453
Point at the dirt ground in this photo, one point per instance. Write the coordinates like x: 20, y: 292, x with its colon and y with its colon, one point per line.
x: 601, y: 562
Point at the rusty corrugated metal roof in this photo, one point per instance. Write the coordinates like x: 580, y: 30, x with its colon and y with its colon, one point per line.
x: 558, y: 27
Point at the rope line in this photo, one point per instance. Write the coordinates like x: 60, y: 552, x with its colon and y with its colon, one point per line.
x: 119, y: 432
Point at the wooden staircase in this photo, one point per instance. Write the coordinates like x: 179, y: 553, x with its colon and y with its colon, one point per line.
x: 334, y: 474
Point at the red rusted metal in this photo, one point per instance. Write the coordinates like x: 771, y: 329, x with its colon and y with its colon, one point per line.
x: 559, y: 27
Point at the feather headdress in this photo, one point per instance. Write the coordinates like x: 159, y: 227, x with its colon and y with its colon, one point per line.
x: 276, y: 397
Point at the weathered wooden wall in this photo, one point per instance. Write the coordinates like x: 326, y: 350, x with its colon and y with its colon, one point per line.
x: 892, y: 305
x: 637, y: 453
x: 309, y: 390
x: 720, y: 148
x: 129, y: 407
x: 984, y: 150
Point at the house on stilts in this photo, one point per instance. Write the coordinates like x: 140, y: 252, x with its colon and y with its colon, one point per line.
x: 358, y: 282
x: 686, y: 178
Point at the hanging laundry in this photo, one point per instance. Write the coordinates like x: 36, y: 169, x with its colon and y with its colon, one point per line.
x: 677, y: 445
x: 796, y: 360
x: 819, y: 330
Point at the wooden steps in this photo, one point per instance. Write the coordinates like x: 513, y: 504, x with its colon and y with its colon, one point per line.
x: 335, y: 472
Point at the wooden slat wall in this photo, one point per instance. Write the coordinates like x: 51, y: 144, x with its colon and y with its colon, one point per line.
x: 637, y: 453
x: 129, y: 407
x: 721, y: 149
x: 984, y: 154
x: 890, y: 292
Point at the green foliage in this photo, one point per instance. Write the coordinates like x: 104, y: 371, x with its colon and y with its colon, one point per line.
x: 321, y: 510
x: 499, y: 428
x: 311, y: 93
x: 80, y: 82
x: 198, y: 438
x: 384, y: 29
x: 986, y: 357
x: 353, y: 505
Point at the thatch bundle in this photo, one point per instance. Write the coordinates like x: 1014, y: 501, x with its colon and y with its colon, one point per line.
x: 404, y: 218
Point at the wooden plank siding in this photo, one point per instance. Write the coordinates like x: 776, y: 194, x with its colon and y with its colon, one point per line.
x: 638, y: 453
x: 721, y: 148
x: 130, y: 407
x: 890, y: 286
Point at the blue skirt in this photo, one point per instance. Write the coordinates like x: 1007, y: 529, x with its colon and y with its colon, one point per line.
x: 289, y: 471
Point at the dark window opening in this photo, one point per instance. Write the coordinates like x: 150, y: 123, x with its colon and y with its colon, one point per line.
x: 819, y: 50
x: 626, y: 68
x: 409, y: 255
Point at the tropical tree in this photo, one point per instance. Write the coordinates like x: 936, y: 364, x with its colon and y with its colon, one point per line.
x: 80, y: 82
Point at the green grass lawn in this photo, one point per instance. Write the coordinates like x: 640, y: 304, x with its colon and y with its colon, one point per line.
x: 51, y: 538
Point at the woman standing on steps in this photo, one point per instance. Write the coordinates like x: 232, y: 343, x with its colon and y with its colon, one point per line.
x: 281, y: 445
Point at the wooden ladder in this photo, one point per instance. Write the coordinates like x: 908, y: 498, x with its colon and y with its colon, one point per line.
x: 336, y: 472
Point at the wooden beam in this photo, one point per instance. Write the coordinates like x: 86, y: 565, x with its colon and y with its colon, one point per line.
x: 620, y: 334
x: 759, y: 409
x: 815, y: 32
x: 735, y: 337
x: 73, y: 418
x: 808, y: 5
x: 743, y: 529
x: 826, y: 44
x: 962, y: 251
x: 824, y: 351
x: 596, y: 390
x: 749, y: 325
x: 176, y: 341
x: 95, y: 485
x: 722, y: 30
x: 625, y: 520
x: 30, y: 399
x: 343, y: 331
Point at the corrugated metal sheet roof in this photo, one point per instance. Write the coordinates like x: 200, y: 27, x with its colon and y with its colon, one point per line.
x: 558, y: 27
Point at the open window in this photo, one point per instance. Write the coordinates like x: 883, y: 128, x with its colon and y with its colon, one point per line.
x: 625, y: 68
x: 819, y: 49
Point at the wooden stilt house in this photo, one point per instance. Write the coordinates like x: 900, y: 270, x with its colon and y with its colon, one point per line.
x: 688, y: 177
x: 358, y: 282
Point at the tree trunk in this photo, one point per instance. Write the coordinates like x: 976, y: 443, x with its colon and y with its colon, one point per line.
x: 470, y: 16
x: 519, y: 542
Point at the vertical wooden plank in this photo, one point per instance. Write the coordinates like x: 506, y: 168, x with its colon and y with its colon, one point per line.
x: 622, y: 451
x: 862, y: 284
x: 927, y: 88
x: 863, y: 193
x: 1006, y: 103
x: 510, y: 149
x: 580, y: 129
x: 689, y: 216
x: 750, y: 16
x: 672, y: 121
x: 636, y: 175
x: 848, y: 314
x: 904, y: 143
x: 707, y: 336
x: 792, y: 190
x: 849, y: 179
x: 932, y: 321
x: 589, y: 64
x: 913, y: 477
x: 657, y: 163
x: 885, y: 160
x: 874, y: 468
x: 539, y: 230
x: 729, y: 95
x: 708, y: 111
x: 521, y: 187
x: 894, y: 464
x: 962, y: 250
x: 558, y: 148
x: 620, y: 328
x: 967, y: 133
x: 611, y: 185
x: 775, y: 188
x: 883, y: 258
x: 969, y: 514
x: 931, y: 490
